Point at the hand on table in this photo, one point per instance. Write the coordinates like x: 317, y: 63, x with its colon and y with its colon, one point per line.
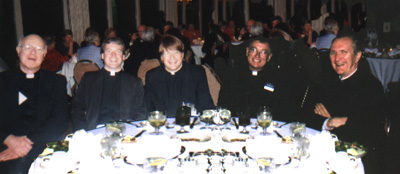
x: 321, y: 110
x: 18, y: 146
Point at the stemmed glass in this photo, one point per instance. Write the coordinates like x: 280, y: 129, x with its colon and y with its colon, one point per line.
x: 244, y: 120
x: 157, y: 119
x: 207, y: 117
x: 182, y: 117
x: 266, y: 164
x: 264, y: 118
x: 225, y: 117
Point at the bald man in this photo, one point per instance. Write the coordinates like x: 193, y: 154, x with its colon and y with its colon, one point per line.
x: 33, y: 107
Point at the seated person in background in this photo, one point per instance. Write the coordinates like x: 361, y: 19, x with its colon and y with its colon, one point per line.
x: 351, y: 102
x: 54, y: 59
x: 331, y: 27
x: 255, y: 82
x: 68, y: 47
x: 176, y: 82
x: 110, y: 33
x: 191, y: 33
x: 108, y: 94
x: 309, y: 35
x: 33, y: 108
x: 92, y: 50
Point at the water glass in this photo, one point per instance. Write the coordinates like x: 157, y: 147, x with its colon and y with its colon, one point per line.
x: 266, y: 164
x: 297, y: 129
x: 115, y: 129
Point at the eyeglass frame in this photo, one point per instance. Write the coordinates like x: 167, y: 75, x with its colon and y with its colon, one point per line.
x: 29, y: 48
x: 254, y: 52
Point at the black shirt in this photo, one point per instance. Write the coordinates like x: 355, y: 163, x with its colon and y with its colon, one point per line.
x: 110, y: 100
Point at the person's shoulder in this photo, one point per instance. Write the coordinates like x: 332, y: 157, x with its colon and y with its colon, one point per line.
x: 7, y: 74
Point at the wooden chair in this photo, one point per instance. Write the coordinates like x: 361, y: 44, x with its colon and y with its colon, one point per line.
x: 81, y: 67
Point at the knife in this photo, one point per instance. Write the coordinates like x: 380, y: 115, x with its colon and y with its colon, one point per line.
x: 236, y: 123
x: 140, y: 133
x: 194, y: 121
x: 277, y: 133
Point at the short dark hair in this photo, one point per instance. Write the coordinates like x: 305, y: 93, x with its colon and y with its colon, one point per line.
x: 355, y: 42
x: 115, y: 40
x: 67, y: 32
x: 171, y: 42
x: 262, y: 40
x: 49, y: 39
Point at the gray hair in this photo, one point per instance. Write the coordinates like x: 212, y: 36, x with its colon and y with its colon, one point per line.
x: 257, y: 29
x: 148, y: 34
x: 330, y: 24
x: 92, y: 36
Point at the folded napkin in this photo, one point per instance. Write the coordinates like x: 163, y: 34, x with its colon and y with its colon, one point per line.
x: 85, y: 145
x: 322, y: 145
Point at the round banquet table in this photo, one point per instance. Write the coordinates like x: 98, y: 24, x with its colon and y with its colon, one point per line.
x: 186, y: 162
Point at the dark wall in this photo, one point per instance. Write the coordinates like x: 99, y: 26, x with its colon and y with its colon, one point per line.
x: 8, y: 39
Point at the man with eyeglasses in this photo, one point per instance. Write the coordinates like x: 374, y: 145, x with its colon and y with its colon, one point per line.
x: 33, y: 107
x: 254, y: 83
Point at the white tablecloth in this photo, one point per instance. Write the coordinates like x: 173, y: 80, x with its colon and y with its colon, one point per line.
x: 215, y: 144
x: 198, y: 54
x: 386, y: 70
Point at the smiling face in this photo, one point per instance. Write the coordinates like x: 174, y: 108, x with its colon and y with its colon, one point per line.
x: 344, y: 60
x: 31, y: 52
x: 113, y: 56
x: 172, y: 59
x: 258, y: 54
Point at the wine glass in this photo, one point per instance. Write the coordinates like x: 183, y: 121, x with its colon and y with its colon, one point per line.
x: 225, y: 117
x: 244, y: 120
x: 182, y: 117
x: 264, y: 119
x: 207, y: 117
x: 157, y: 119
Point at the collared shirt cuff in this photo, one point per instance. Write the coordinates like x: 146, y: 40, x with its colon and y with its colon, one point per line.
x: 325, y: 127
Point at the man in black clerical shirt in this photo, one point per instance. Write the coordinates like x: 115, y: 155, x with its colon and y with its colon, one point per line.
x: 33, y: 108
x: 176, y: 82
x: 255, y: 82
x: 351, y: 103
x: 108, y: 94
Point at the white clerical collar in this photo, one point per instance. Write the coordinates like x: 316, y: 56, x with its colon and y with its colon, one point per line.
x: 112, y: 72
x: 254, y: 73
x: 344, y: 78
x: 174, y: 71
x: 30, y: 76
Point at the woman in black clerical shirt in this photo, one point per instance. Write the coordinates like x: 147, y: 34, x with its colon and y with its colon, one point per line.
x: 175, y: 82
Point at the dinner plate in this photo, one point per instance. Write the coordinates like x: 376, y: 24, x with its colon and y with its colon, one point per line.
x: 132, y: 160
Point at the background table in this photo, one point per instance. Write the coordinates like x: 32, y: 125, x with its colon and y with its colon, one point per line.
x: 386, y: 70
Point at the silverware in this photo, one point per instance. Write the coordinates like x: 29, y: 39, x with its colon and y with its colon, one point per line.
x: 140, y: 133
x: 280, y: 126
x: 277, y: 133
x: 194, y: 121
x: 236, y: 123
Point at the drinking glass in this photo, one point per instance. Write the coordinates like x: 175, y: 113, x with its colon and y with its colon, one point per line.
x: 154, y: 164
x: 244, y: 120
x: 297, y: 129
x: 111, y: 147
x: 157, y: 119
x: 302, y: 145
x: 225, y: 117
x: 182, y: 117
x: 266, y: 164
x: 207, y: 117
x: 264, y: 119
x: 193, y: 110
x: 115, y: 129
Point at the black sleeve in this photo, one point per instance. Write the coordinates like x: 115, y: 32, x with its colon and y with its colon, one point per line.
x: 79, y: 120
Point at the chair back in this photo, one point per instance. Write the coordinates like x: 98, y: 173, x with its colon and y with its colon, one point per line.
x: 213, y: 83
x: 83, y: 66
x: 146, y: 65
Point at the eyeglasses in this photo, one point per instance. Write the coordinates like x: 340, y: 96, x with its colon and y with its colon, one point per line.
x: 253, y: 52
x: 171, y: 53
x: 29, y: 48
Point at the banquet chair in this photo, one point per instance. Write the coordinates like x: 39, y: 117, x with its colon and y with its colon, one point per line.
x: 81, y: 67
x: 213, y: 83
x: 146, y: 65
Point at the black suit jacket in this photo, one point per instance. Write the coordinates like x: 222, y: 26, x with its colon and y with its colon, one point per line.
x: 192, y: 84
x: 87, y: 101
x: 52, y: 107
